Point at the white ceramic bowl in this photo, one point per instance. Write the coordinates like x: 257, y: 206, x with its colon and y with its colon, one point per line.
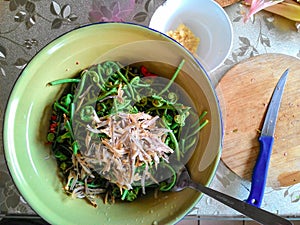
x: 206, y: 19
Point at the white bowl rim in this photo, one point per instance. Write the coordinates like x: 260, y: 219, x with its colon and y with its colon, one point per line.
x: 159, y: 21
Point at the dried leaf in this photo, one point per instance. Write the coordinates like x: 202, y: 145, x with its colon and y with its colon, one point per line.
x: 140, y: 17
x: 56, y: 23
x: 55, y: 8
x: 66, y: 11
x: 20, y: 63
x: 2, y: 52
x: 30, y: 7
x: 245, y: 41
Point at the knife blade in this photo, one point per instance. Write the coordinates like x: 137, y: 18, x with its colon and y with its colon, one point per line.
x: 266, y: 140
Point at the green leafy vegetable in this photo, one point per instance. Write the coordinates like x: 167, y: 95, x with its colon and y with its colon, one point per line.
x: 97, y: 95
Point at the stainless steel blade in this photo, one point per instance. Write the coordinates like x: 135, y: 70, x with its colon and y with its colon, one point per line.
x: 273, y: 108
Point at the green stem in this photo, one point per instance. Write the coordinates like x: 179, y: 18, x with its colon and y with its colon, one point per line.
x: 72, y: 111
x: 173, y: 139
x: 57, y: 105
x: 69, y: 128
x: 100, y: 98
x: 203, y: 114
x: 124, y: 194
x: 198, y: 129
x: 112, y: 91
x: 99, y: 67
x: 96, y: 79
x: 81, y: 86
x: 169, y: 187
x: 126, y: 82
x: 173, y: 78
x: 63, y: 81
x: 203, y: 124
x: 177, y: 151
x: 186, y: 148
x: 161, y: 107
x: 74, y: 144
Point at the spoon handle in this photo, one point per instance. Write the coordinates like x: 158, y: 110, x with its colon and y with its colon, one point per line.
x: 257, y: 214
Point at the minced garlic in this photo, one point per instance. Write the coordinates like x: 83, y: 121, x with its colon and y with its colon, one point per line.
x: 185, y: 36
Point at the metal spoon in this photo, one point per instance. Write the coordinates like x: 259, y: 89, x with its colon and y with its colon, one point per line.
x: 261, y: 216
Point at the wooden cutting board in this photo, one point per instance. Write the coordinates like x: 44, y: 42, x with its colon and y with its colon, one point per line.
x: 225, y: 3
x: 245, y: 92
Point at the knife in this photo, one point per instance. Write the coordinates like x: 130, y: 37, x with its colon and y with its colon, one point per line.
x: 266, y: 139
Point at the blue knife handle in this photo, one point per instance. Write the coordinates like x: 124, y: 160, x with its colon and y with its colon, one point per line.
x: 260, y: 172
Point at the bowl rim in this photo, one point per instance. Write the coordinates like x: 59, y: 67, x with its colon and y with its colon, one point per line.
x: 8, y: 104
x: 228, y: 50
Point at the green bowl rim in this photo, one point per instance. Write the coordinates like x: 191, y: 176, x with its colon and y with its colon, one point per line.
x: 8, y: 106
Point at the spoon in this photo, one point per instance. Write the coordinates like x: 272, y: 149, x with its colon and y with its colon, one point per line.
x: 261, y: 216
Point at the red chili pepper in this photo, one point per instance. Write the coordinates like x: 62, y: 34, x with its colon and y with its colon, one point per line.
x: 53, y: 117
x: 144, y: 70
x: 53, y: 125
x: 146, y: 73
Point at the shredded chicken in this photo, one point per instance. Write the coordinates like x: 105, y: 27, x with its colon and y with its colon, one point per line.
x: 133, y: 141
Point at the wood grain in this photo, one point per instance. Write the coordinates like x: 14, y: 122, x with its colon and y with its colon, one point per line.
x: 225, y: 3
x: 245, y: 92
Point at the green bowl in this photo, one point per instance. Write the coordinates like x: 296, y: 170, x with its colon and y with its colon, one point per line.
x: 29, y: 109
